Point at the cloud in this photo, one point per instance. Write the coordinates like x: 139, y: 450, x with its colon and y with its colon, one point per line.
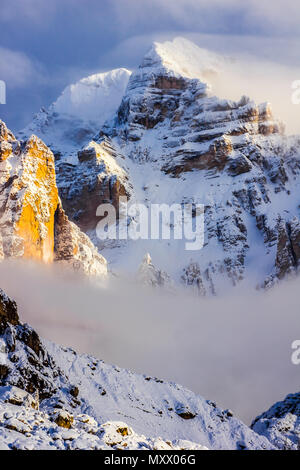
x: 282, y: 17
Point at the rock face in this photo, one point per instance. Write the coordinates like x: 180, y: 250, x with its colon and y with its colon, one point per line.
x: 172, y: 141
x: 192, y: 277
x: 38, y: 379
x: 87, y: 173
x: 32, y: 222
x: 281, y: 423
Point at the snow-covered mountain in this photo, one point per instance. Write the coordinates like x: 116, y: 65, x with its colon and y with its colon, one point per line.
x: 158, y: 135
x: 172, y: 141
x: 76, y: 394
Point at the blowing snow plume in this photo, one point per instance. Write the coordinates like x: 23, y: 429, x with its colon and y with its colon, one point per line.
x: 235, y: 350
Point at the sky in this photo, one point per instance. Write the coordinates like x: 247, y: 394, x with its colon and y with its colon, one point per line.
x: 44, y: 46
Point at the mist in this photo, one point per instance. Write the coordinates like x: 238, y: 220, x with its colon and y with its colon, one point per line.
x: 263, y: 81
x: 235, y: 350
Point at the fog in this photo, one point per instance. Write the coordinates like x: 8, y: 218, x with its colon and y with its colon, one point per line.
x: 235, y: 349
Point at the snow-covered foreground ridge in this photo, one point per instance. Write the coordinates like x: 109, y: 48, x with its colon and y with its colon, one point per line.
x: 84, y: 403
x: 170, y: 140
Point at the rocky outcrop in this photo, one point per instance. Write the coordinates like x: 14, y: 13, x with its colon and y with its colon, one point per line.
x: 38, y: 406
x: 287, y: 237
x: 196, y: 129
x: 8, y: 310
x: 32, y: 221
x: 192, y: 277
x: 230, y: 156
x: 24, y: 361
x: 24, y: 428
x: 28, y: 198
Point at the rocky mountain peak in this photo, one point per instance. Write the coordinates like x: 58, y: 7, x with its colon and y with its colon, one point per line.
x: 281, y: 423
